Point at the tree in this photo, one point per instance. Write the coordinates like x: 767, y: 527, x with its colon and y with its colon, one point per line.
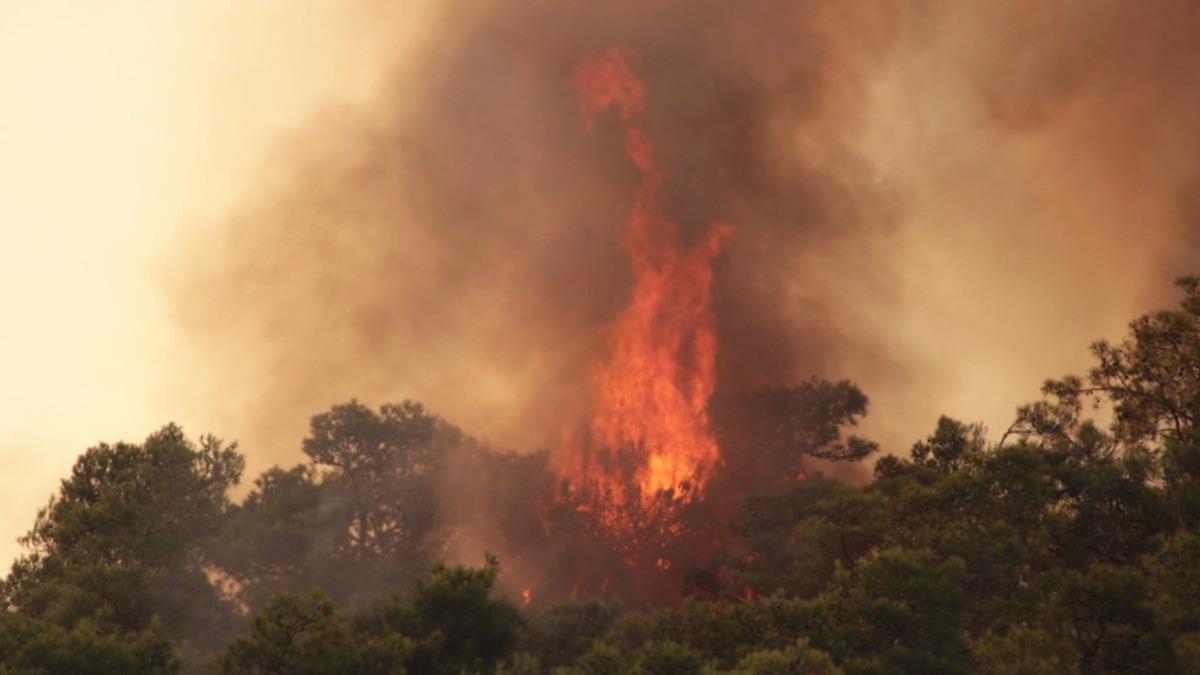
x: 796, y: 658
x: 953, y: 446
x: 793, y: 541
x: 1153, y: 378
x: 1151, y: 382
x: 278, y: 538
x: 455, y: 624
x: 357, y: 520
x: 379, y: 465
x: 126, y: 539
x: 305, y: 635
x: 1023, y: 650
x: 767, y: 434
x: 450, y: 624
x: 904, y: 608
x: 1181, y: 478
x: 1104, y: 612
x: 666, y: 658
x: 1174, y: 576
x: 565, y: 631
x: 29, y: 647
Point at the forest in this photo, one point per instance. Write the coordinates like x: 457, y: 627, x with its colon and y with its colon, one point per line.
x: 1069, y: 544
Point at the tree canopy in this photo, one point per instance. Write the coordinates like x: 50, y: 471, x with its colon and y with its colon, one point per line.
x: 1071, y: 544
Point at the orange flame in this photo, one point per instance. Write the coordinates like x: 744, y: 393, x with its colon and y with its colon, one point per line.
x: 650, y: 420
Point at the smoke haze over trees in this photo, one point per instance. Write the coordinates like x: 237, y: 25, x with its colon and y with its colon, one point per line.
x: 458, y: 240
x: 936, y: 204
x: 1069, y: 546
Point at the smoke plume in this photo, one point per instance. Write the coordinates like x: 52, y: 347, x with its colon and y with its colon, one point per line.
x: 942, y: 200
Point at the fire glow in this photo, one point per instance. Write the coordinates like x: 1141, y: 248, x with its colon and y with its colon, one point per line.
x: 649, y: 432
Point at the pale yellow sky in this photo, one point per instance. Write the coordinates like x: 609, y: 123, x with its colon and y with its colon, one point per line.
x: 123, y: 124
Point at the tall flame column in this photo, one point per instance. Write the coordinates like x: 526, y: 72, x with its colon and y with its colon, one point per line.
x: 653, y: 385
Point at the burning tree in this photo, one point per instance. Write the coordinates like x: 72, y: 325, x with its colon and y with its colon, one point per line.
x: 649, y: 444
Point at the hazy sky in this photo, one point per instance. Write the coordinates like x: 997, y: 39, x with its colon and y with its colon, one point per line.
x: 123, y: 124
x: 1035, y: 175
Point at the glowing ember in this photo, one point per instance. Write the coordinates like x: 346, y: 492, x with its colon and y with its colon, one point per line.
x: 526, y: 597
x: 649, y: 431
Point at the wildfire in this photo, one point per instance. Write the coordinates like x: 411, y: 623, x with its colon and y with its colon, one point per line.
x: 649, y: 433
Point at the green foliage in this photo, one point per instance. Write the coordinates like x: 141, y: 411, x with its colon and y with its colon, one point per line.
x: 563, y: 632
x: 376, y: 467
x: 450, y: 624
x: 126, y: 541
x: 273, y: 540
x: 601, y: 659
x: 1175, y: 576
x: 1066, y: 547
x: 356, y: 521
x: 1181, y: 475
x: 1150, y: 378
x: 795, y: 539
x: 1025, y: 651
x: 455, y: 623
x: 951, y: 447
x: 796, y: 658
x: 1105, y: 612
x: 666, y: 658
x: 769, y: 433
x: 905, y: 608
x: 31, y: 647
x: 521, y: 663
x: 307, y: 636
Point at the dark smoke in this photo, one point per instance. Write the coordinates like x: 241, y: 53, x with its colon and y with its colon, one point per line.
x: 1045, y: 157
x: 460, y: 242
x: 943, y: 200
